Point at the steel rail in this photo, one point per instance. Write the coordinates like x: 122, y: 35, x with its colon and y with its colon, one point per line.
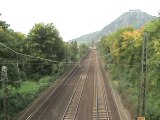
x: 101, y: 97
x: 96, y: 90
x: 112, y: 93
x: 76, y: 99
x: 50, y: 93
x: 106, y: 101
x: 51, y: 102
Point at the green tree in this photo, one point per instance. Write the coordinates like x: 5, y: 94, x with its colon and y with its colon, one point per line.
x: 4, y: 25
x: 73, y: 51
x: 123, y: 50
x: 13, y: 40
x: 44, y: 41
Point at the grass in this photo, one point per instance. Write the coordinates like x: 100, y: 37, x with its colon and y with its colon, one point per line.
x: 32, y: 86
x: 20, y: 98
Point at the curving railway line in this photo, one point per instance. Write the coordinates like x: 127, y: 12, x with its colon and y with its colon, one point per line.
x: 82, y: 94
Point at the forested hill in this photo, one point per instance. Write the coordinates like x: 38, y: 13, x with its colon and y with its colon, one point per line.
x: 87, y: 37
x: 135, y: 18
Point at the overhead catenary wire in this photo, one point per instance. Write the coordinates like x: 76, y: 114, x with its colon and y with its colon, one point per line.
x: 111, y: 52
x: 25, y: 54
x: 31, y: 56
x: 28, y: 77
x: 53, y: 61
x: 125, y: 64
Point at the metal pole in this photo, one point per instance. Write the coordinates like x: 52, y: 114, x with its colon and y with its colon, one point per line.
x: 18, y: 71
x: 144, y: 73
x: 5, y: 80
x: 141, y: 110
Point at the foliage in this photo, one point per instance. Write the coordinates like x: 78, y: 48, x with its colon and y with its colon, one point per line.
x: 33, y: 61
x: 123, y: 51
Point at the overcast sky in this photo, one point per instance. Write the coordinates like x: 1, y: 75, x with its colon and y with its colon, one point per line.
x: 72, y: 18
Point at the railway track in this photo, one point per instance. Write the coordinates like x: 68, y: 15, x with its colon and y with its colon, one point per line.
x: 101, y: 110
x: 81, y: 95
x: 46, y: 103
x: 73, y: 105
x: 36, y: 113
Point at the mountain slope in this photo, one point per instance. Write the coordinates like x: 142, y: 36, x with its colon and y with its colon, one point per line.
x: 135, y: 18
x: 87, y: 37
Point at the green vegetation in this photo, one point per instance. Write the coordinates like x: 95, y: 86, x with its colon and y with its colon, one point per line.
x: 34, y: 61
x: 123, y: 55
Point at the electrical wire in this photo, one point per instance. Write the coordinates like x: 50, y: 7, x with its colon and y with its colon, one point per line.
x: 48, y: 60
x: 52, y: 61
x: 75, y: 63
x: 123, y: 64
x: 27, y: 77
x: 26, y: 55
x: 110, y: 52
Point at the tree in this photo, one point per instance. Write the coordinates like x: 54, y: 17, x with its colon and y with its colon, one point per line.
x: 12, y: 40
x: 44, y: 41
x: 73, y: 51
x: 153, y: 29
x: 4, y: 25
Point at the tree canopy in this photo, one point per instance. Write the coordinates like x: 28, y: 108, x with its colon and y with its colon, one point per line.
x: 123, y: 51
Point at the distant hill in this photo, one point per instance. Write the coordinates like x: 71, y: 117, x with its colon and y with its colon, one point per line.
x: 87, y: 37
x: 135, y: 18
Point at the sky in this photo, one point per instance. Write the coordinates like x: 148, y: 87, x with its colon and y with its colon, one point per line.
x: 72, y: 18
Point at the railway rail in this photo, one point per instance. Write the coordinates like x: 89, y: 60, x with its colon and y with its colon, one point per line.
x: 72, y: 107
x: 101, y: 110
x: 68, y: 99
x: 43, y: 107
x: 36, y: 113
